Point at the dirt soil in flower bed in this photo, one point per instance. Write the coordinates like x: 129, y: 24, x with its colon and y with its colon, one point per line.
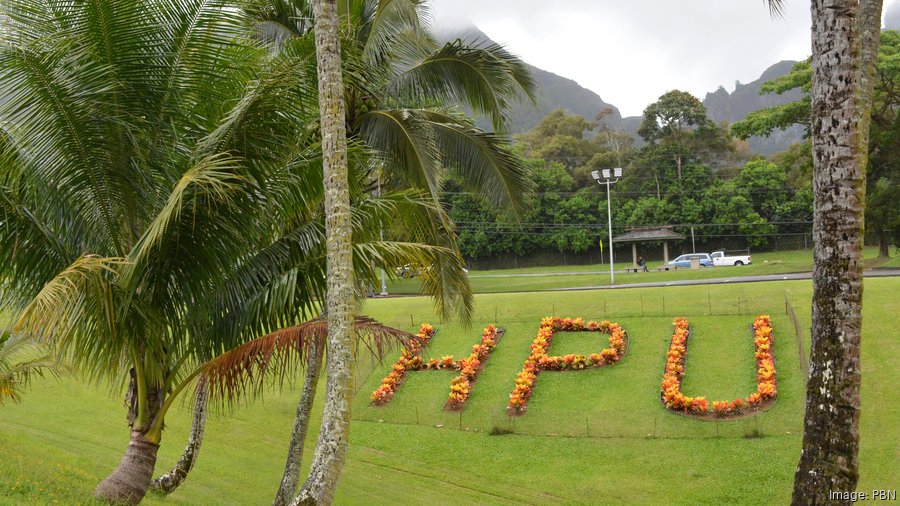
x: 712, y: 415
x: 521, y: 411
x: 460, y: 407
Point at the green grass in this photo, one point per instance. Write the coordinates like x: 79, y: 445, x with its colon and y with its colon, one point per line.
x: 66, y: 436
x: 578, y: 276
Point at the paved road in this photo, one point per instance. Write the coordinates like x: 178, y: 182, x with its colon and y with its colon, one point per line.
x: 873, y: 273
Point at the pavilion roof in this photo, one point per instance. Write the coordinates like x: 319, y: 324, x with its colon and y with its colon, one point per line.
x: 647, y: 234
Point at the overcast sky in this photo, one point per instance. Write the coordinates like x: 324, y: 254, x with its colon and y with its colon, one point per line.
x: 630, y: 53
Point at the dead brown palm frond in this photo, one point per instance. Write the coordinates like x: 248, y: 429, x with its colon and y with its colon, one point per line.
x: 241, y: 372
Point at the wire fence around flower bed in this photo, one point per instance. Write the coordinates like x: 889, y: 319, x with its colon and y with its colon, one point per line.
x: 610, y: 307
x: 751, y: 426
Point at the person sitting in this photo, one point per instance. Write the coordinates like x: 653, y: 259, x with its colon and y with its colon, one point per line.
x: 642, y: 264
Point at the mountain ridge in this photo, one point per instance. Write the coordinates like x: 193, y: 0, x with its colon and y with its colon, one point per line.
x: 559, y: 92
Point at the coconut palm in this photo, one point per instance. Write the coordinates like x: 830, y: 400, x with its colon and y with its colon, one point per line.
x: 841, y: 106
x: 845, y: 37
x: 397, y: 86
x: 161, y: 198
x: 331, y: 449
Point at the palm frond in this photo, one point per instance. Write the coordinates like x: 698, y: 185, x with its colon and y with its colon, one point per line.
x: 48, y: 112
x: 385, y: 22
x: 32, y: 251
x: 20, y: 360
x: 277, y: 21
x: 213, y: 179
x: 242, y: 372
x: 487, y: 79
x: 776, y: 7
x: 407, y: 143
x: 484, y: 161
x: 75, y: 313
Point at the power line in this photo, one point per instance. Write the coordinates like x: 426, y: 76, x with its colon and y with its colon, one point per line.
x: 699, y: 236
x: 596, y: 225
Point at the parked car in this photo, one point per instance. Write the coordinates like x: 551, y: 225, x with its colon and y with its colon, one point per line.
x: 722, y: 257
x: 685, y: 260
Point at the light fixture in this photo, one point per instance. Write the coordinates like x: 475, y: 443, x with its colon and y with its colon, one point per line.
x: 618, y: 171
x: 596, y: 175
x: 606, y: 174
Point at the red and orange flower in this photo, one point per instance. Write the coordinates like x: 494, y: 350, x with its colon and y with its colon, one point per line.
x: 539, y: 359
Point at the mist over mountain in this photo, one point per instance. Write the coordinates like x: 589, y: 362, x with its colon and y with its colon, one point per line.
x: 553, y: 92
x: 557, y: 92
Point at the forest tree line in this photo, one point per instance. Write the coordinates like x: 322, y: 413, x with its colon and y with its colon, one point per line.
x: 682, y: 170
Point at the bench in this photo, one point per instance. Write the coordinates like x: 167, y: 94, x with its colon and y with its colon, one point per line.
x: 632, y: 269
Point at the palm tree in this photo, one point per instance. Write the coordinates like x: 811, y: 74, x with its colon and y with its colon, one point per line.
x: 398, y: 80
x: 841, y: 107
x: 331, y: 449
x: 161, y: 198
x: 845, y: 45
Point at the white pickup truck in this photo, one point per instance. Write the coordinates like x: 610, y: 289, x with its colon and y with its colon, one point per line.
x: 721, y: 258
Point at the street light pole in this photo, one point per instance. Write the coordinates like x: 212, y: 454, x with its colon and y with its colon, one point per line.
x: 607, y: 176
x: 612, y: 273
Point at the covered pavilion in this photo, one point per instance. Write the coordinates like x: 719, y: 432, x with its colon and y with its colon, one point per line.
x: 649, y: 234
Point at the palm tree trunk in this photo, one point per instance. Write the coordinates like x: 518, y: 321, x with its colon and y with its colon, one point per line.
x: 167, y: 483
x: 291, y: 476
x: 130, y: 480
x: 829, y: 460
x: 331, y: 450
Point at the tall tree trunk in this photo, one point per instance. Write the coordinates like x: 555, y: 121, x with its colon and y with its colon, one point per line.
x: 829, y: 460
x: 678, y: 165
x: 128, y: 483
x: 291, y: 476
x: 331, y: 449
x: 167, y: 483
x: 883, y: 244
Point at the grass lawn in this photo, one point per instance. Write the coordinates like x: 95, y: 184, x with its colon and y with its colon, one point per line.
x: 577, y: 276
x: 594, y: 436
